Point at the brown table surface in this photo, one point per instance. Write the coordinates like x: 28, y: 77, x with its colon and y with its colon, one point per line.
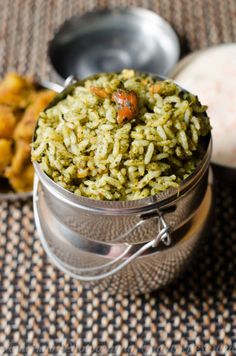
x: 45, y: 312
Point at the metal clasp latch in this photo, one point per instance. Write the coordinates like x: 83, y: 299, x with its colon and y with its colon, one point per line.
x: 163, y: 231
x: 163, y: 234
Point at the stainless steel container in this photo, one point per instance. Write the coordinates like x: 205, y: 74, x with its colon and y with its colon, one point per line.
x: 109, y: 40
x: 130, y: 246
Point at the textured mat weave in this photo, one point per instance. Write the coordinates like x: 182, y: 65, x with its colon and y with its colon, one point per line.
x: 45, y: 312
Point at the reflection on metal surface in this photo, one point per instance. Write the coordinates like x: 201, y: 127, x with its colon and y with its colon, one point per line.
x: 89, y: 261
x: 110, y: 40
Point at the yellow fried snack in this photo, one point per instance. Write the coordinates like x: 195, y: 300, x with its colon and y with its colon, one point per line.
x: 5, y: 154
x: 20, y: 159
x: 25, y: 127
x: 20, y: 173
x: 7, y: 122
x: 15, y: 90
x: 20, y: 105
x: 23, y: 182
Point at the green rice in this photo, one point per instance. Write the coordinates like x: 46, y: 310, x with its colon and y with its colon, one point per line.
x: 82, y: 146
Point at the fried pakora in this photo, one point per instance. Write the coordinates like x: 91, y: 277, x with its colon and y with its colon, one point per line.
x: 23, y: 181
x: 25, y: 127
x: 20, y: 105
x: 7, y: 122
x: 15, y: 90
x: 5, y: 154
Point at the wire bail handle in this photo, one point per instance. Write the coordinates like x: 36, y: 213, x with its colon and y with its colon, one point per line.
x: 127, y: 255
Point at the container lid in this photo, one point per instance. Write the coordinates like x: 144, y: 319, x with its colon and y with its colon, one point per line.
x: 210, y: 74
x: 110, y: 40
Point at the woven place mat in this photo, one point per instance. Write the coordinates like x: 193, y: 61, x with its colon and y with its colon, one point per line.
x: 46, y: 312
